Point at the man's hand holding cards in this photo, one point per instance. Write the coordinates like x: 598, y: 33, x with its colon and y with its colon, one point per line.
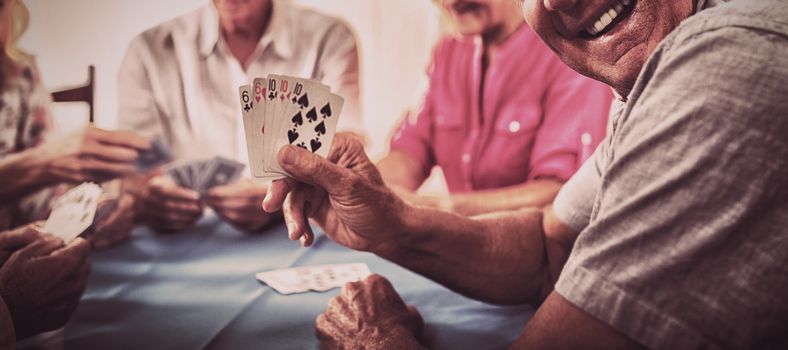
x: 282, y: 110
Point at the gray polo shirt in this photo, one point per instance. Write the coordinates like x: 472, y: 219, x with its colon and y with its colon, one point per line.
x: 683, y: 209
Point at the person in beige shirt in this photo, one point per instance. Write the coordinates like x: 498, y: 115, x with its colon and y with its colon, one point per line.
x: 179, y: 80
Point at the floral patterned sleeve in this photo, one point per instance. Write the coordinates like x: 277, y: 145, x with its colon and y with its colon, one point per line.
x: 25, y: 121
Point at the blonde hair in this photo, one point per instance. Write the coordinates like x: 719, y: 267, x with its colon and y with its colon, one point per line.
x: 14, y: 28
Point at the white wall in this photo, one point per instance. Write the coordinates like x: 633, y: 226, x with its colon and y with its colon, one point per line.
x: 68, y: 35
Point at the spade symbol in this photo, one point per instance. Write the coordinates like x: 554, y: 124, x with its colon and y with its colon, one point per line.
x: 292, y: 135
x: 320, y: 129
x: 303, y: 101
x: 302, y: 145
x: 326, y: 110
x: 311, y: 115
x: 315, y: 143
x: 297, y: 119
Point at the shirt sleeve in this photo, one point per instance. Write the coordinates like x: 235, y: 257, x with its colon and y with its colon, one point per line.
x: 573, y: 106
x: 137, y: 108
x: 575, y: 200
x: 339, y: 69
x: 686, y: 247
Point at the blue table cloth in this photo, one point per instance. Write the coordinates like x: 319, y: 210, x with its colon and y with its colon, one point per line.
x: 196, y: 290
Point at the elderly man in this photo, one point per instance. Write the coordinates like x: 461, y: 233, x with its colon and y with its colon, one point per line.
x: 178, y: 81
x: 676, y: 226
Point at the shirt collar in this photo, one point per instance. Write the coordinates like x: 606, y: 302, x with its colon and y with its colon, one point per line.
x: 278, y: 34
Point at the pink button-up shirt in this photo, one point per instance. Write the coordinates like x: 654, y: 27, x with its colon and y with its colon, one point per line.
x: 536, y: 117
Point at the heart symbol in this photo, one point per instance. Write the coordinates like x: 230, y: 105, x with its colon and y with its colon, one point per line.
x: 292, y: 135
x: 311, y: 115
x: 315, y: 143
x: 326, y: 110
x: 303, y: 101
x: 320, y: 129
x: 297, y: 119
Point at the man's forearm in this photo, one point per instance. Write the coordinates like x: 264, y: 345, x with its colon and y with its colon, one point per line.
x: 535, y: 193
x: 498, y: 258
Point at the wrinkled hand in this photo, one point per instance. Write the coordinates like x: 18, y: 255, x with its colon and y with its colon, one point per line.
x: 11, y: 241
x: 369, y: 315
x: 91, y: 154
x: 239, y: 204
x: 167, y: 207
x: 114, y: 228
x: 42, y: 282
x: 344, y: 194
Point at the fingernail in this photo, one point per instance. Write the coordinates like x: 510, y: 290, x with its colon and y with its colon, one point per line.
x: 290, y: 157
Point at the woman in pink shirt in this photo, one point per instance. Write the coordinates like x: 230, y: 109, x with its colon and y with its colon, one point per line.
x: 503, y: 117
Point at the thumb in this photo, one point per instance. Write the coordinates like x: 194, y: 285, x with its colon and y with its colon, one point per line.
x: 16, y: 239
x: 307, y: 167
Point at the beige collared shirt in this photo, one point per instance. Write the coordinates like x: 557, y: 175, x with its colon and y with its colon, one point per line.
x: 180, y: 81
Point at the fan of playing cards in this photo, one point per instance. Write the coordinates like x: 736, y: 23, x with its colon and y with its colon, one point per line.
x: 202, y: 175
x: 74, y: 211
x: 281, y: 110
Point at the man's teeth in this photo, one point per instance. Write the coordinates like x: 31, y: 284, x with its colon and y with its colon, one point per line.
x: 608, y: 17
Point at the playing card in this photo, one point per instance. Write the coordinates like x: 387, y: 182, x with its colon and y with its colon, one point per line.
x: 249, y: 102
x: 312, y: 128
x: 222, y: 172
x: 273, y: 95
x: 104, y: 209
x: 158, y: 154
x: 177, y: 174
x: 73, y: 212
x: 318, y: 278
x: 301, y: 111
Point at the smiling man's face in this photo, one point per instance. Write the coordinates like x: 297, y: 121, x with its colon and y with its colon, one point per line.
x: 608, y: 40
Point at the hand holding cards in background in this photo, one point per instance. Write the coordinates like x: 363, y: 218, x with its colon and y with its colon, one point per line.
x: 42, y: 281
x: 91, y: 154
x: 167, y: 207
x: 238, y: 203
x: 202, y: 175
x: 158, y: 154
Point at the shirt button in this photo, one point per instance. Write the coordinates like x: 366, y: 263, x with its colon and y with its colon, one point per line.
x: 514, y: 126
x: 466, y: 158
x: 585, y: 139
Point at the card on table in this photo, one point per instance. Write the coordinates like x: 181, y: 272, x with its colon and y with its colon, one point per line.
x: 319, y: 278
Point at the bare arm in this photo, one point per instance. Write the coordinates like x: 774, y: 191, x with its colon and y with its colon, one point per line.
x: 500, y: 257
x: 560, y: 325
x: 534, y: 193
x: 402, y: 172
